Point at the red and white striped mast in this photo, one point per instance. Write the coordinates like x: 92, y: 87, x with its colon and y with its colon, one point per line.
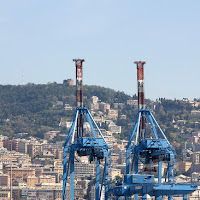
x: 79, y: 82
x: 79, y: 94
x: 141, y: 100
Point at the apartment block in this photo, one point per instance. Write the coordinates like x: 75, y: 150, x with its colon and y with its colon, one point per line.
x: 114, y: 129
x: 112, y: 114
x: 4, y: 180
x: 32, y: 181
x: 83, y: 169
x: 132, y: 102
x: 50, y: 135
x: 20, y: 173
x: 46, y: 179
x: 34, y: 149
x: 104, y: 106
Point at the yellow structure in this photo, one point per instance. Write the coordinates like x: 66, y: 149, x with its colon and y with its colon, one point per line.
x: 32, y: 181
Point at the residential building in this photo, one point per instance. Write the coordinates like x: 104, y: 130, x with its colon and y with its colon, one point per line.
x: 95, y: 99
x: 4, y: 180
x: 195, y: 112
x: 32, y: 181
x: 104, y: 106
x: 50, y: 135
x: 119, y: 105
x: 5, y: 194
x: 68, y: 107
x: 114, y: 129
x: 83, y: 169
x: 34, y: 149
x: 68, y: 82
x: 112, y: 114
x: 23, y: 146
x: 46, y: 179
x: 132, y: 102
x: 20, y: 173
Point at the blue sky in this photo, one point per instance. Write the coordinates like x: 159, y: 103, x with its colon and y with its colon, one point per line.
x: 41, y: 37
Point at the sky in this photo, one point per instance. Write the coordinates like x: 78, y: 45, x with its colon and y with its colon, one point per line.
x: 39, y: 39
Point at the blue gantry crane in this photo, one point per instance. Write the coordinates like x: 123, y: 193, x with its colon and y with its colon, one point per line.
x: 85, y: 139
x: 147, y: 145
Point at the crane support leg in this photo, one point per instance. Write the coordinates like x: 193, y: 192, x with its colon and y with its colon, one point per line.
x: 159, y: 172
x: 144, y: 197
x: 136, y: 162
x: 127, y: 161
x: 106, y: 178
x: 97, y: 178
x: 72, y: 174
x: 185, y: 197
x: 64, y: 172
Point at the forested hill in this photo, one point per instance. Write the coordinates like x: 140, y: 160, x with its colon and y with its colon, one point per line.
x: 38, y: 108
x: 29, y: 108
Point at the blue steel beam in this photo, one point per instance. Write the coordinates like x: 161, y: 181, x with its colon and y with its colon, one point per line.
x: 144, y: 197
x: 72, y: 174
x: 153, y: 127
x: 97, y: 178
x: 132, y: 164
x: 98, y: 129
x: 185, y: 197
x: 149, y: 124
x: 173, y: 189
x: 104, y: 174
x: 106, y: 179
x: 91, y: 125
x: 128, y: 146
x: 161, y: 130
x: 138, y: 125
x: 159, y: 172
x: 127, y: 161
x: 153, y: 189
x: 158, y: 197
x: 65, y: 155
x: 133, y: 133
x: 72, y: 128
x: 64, y: 173
x: 87, y: 126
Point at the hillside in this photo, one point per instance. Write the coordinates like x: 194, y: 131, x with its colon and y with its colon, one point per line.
x: 29, y: 108
x: 36, y: 109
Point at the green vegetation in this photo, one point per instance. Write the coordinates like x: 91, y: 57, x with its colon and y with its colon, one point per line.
x: 29, y: 108
x: 35, y: 109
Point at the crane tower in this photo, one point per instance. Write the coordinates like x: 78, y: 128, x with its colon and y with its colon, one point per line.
x: 90, y: 143
x: 148, y: 145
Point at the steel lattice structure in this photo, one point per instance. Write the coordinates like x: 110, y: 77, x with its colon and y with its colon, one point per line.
x: 149, y: 147
x: 89, y: 143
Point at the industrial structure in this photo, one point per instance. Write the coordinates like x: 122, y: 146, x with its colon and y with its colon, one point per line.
x: 148, y: 145
x: 85, y: 142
